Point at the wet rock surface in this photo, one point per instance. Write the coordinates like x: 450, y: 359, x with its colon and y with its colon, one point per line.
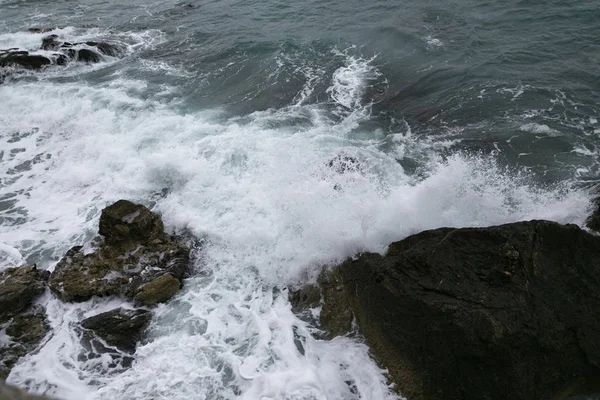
x: 135, y: 252
x: 23, y: 59
x: 490, y: 313
x: 54, y: 51
x: 25, y: 333
x: 158, y: 290
x: 18, y: 288
x: 119, y: 327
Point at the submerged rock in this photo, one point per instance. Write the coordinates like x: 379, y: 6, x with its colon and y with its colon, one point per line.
x: 509, y: 311
x: 119, y: 327
x: 18, y: 288
x: 25, y: 332
x: 135, y: 252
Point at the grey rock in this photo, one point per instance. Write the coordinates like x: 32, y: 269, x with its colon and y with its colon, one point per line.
x: 119, y: 327
x: 25, y: 332
x: 18, y: 288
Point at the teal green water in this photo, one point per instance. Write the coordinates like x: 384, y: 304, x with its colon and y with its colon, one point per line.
x: 522, y: 77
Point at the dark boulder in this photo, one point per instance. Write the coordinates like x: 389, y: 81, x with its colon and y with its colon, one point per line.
x: 135, y: 252
x: 18, y: 288
x: 119, y: 327
x: 593, y: 221
x: 125, y: 221
x: 50, y: 43
x: 25, y: 332
x: 86, y: 55
x: 23, y: 59
x: 105, y: 48
x: 158, y: 290
x: 305, y: 297
x: 505, y: 312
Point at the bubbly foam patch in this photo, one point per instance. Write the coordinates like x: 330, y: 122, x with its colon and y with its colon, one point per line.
x: 272, y: 208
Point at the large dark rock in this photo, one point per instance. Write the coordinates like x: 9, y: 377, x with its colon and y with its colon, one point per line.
x: 119, y: 327
x: 23, y: 59
x: 158, y: 290
x: 61, y: 53
x: 593, y: 221
x: 18, y: 288
x: 25, y: 332
x: 135, y: 252
x: 105, y: 48
x: 505, y: 312
x: 85, y: 55
x: 126, y: 221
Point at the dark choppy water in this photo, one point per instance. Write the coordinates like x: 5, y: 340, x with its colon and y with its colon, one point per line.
x: 224, y: 117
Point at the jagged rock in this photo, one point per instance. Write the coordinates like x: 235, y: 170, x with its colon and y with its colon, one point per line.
x: 135, y: 252
x: 593, y: 221
x: 25, y: 332
x: 23, y: 59
x: 158, y: 290
x: 505, y: 312
x: 18, y: 288
x: 50, y: 43
x: 62, y: 53
x: 126, y: 221
x: 119, y: 327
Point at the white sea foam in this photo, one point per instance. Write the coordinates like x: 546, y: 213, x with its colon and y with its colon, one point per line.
x: 271, y: 212
x: 350, y: 81
x: 539, y: 128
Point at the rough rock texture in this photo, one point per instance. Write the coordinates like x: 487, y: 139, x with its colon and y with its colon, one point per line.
x: 124, y: 221
x: 135, y: 252
x: 593, y: 221
x: 25, y: 333
x: 8, y: 392
x: 119, y: 327
x: 305, y: 297
x: 158, y: 290
x: 18, y: 288
x: 23, y: 59
x: 505, y: 312
x: 61, y: 53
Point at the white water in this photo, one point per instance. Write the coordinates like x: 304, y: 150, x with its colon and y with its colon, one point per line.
x: 266, y: 204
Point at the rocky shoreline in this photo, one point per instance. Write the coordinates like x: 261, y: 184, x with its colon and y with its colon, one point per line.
x: 502, y: 312
x: 134, y: 259
x: 507, y: 311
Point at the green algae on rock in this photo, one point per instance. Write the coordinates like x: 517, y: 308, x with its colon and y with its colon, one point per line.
x: 135, y: 251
